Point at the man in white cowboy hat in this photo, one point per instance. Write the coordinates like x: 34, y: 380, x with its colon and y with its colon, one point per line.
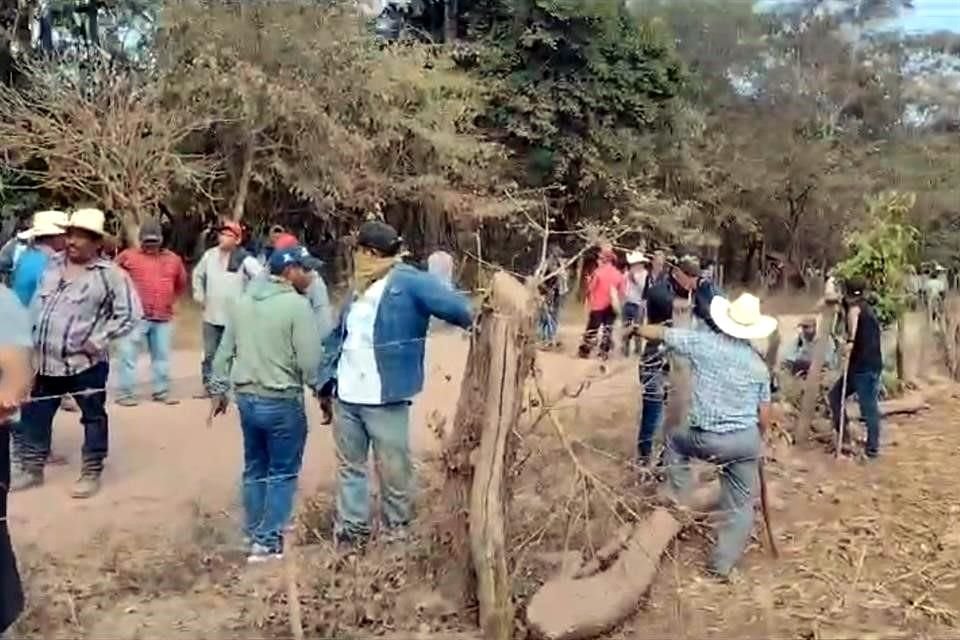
x: 46, y: 238
x: 729, y: 411
x: 635, y: 285
x: 83, y: 303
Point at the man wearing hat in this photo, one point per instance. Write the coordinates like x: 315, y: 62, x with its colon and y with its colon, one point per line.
x: 316, y: 291
x: 863, y: 356
x: 604, y: 296
x: 83, y: 303
x: 269, y: 351
x: 375, y: 355
x: 219, y: 278
x: 635, y: 285
x: 159, y: 277
x: 46, y: 238
x: 729, y: 411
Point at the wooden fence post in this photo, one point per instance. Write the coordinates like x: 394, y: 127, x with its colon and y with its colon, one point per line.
x: 811, y: 387
x: 480, y: 452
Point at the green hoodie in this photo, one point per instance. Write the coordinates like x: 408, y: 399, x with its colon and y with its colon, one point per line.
x: 270, y: 346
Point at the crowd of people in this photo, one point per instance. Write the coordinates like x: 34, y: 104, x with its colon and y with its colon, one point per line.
x: 270, y: 332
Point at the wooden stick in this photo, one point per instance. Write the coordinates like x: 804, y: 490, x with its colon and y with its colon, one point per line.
x: 843, y: 410
x: 293, y: 590
x: 765, y: 511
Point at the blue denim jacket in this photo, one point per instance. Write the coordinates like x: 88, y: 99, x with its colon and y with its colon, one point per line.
x: 410, y: 298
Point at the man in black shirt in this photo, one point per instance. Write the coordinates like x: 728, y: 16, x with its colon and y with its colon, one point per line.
x: 864, y: 360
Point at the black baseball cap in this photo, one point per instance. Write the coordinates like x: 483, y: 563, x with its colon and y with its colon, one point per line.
x: 379, y: 236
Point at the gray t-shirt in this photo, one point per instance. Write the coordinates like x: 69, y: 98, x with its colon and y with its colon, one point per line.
x: 15, y: 330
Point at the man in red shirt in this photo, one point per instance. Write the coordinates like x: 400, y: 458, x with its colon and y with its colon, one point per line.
x: 159, y: 277
x: 604, y: 296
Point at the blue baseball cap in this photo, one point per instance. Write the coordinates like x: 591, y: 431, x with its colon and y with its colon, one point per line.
x: 295, y: 256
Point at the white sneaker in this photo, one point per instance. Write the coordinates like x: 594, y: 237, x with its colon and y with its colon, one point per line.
x: 260, y: 554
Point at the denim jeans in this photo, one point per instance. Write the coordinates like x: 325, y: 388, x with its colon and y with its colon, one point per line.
x: 212, y: 334
x: 385, y: 428
x: 158, y: 336
x: 34, y: 432
x: 866, y: 384
x: 274, y: 436
x: 738, y: 454
x: 652, y: 397
x: 599, y: 324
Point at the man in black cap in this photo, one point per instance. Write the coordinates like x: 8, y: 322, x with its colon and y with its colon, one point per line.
x: 864, y: 362
x: 375, y: 355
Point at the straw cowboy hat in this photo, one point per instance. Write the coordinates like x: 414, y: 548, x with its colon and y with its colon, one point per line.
x: 45, y: 223
x: 636, y: 257
x: 92, y: 220
x: 742, y: 318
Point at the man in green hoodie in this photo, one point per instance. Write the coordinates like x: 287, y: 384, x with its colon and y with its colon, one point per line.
x: 269, y: 351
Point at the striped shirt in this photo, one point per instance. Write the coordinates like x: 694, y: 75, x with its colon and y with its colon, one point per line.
x: 730, y: 380
x: 75, y: 320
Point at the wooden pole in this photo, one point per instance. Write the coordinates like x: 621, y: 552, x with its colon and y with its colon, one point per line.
x: 811, y: 387
x: 480, y: 452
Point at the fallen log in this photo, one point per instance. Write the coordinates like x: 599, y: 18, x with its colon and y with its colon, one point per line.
x: 568, y: 608
x: 907, y: 404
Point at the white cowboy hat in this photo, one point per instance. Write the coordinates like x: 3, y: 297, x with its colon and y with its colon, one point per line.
x: 92, y: 220
x: 636, y: 257
x: 742, y: 318
x: 45, y: 223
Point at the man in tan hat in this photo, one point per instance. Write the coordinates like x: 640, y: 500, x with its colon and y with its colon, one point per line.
x: 729, y: 411
x: 83, y: 303
x: 46, y: 238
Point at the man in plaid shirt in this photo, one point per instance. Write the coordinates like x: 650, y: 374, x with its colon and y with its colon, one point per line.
x: 729, y: 410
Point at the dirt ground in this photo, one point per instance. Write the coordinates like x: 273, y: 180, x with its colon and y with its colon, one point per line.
x: 867, y: 551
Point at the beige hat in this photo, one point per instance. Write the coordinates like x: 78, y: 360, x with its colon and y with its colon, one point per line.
x: 92, y: 220
x: 45, y: 223
x: 742, y: 318
x: 636, y: 257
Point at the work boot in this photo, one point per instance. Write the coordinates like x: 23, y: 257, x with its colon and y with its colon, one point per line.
x: 86, y: 486
x: 127, y: 401
x: 23, y: 479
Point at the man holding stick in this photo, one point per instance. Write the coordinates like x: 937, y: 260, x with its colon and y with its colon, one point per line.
x: 729, y: 412
x: 863, y: 360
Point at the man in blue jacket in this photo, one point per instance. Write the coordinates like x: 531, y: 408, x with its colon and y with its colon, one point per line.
x: 375, y: 354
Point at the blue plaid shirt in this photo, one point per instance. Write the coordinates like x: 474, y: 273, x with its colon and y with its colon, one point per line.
x: 729, y: 379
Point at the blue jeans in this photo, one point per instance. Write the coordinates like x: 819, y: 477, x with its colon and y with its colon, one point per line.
x: 159, y: 336
x: 212, y: 334
x: 274, y: 435
x: 652, y: 397
x: 737, y: 453
x: 33, y: 434
x: 866, y: 384
x: 386, y: 428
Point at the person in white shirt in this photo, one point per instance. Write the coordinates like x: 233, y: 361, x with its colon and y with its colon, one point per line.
x: 218, y: 281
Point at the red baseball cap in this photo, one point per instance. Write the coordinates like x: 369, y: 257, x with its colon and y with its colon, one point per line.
x: 285, y: 241
x: 232, y: 227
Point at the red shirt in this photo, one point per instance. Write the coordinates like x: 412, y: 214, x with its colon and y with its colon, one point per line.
x: 158, y: 277
x: 602, y: 280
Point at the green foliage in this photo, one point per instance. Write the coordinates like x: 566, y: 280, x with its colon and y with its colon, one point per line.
x: 577, y: 88
x: 881, y: 253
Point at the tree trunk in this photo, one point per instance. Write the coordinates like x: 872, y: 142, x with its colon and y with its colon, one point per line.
x: 675, y: 414
x: 480, y: 451
x: 451, y: 20
x: 901, y: 344
x: 811, y: 387
x: 243, y: 187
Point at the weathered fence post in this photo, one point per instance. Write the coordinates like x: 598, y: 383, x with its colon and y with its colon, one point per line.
x: 480, y: 452
x: 811, y: 387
